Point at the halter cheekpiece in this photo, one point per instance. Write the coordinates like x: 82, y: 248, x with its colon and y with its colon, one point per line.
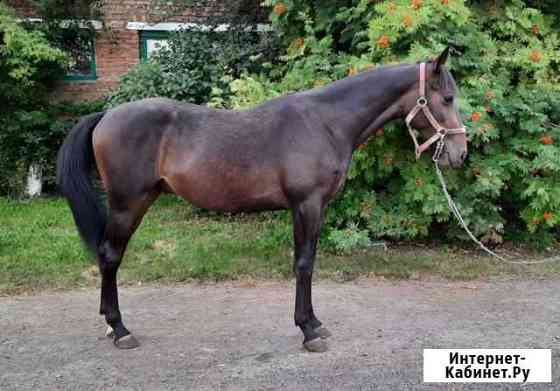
x: 440, y: 131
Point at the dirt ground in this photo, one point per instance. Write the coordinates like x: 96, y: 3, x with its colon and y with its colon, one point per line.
x: 236, y: 337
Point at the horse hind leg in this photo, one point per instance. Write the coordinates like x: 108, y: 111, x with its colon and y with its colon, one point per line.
x: 124, y: 218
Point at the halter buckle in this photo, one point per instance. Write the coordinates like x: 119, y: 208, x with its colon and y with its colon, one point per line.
x: 422, y: 101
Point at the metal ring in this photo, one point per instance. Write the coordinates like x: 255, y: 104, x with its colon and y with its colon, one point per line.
x: 439, y: 150
x: 422, y: 101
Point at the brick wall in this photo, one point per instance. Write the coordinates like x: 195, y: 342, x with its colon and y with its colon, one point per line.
x: 119, y: 13
x: 117, y: 48
x: 23, y: 7
x: 116, y: 52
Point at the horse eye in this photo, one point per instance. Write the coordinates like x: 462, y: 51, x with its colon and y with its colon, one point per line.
x: 448, y: 99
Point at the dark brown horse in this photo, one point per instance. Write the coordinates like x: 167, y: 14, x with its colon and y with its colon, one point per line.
x: 292, y: 152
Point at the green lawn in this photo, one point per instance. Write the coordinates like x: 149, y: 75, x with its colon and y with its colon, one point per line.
x: 40, y: 248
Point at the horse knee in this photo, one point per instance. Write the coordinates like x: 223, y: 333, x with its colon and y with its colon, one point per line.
x: 303, y: 268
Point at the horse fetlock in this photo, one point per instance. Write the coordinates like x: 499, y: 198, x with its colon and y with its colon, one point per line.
x: 110, y: 333
x: 114, y: 321
x: 116, y: 330
x: 302, y: 321
x: 308, y: 332
x: 315, y: 323
x: 119, y: 331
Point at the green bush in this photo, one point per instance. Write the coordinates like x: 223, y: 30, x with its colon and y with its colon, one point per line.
x: 197, y: 66
x: 506, y: 63
x: 28, y: 67
x: 34, y: 137
x: 143, y: 81
x: 32, y: 60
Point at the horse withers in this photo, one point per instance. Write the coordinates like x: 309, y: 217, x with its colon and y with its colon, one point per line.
x: 292, y: 152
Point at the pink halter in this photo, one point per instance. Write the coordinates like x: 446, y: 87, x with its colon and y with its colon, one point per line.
x: 440, y: 131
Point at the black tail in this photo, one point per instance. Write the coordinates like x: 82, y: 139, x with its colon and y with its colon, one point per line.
x: 73, y: 175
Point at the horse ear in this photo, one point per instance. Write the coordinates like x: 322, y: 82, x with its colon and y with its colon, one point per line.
x: 441, y: 60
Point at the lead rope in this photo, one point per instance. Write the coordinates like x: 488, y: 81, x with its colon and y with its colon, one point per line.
x: 457, y: 214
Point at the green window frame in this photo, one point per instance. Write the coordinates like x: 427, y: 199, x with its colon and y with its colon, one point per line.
x: 146, y: 36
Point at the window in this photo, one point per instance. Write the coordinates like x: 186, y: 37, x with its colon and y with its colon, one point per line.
x: 154, y: 37
x: 80, y: 45
x: 152, y: 41
x: 77, y: 39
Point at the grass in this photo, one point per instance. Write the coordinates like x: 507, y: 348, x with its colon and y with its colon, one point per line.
x: 40, y: 248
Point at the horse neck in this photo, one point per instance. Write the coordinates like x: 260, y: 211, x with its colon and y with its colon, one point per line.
x: 353, y: 108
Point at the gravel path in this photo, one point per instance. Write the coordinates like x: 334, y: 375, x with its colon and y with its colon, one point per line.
x: 231, y: 337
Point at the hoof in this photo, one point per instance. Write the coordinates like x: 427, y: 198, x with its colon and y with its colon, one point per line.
x: 323, y: 332
x: 316, y: 345
x: 126, y: 342
x: 110, y: 333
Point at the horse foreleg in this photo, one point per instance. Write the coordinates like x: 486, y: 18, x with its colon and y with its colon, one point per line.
x: 307, y: 220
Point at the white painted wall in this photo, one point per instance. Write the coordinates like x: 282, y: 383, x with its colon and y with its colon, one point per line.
x: 34, y: 185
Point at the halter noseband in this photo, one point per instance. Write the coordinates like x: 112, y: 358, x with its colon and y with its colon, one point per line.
x: 441, y: 132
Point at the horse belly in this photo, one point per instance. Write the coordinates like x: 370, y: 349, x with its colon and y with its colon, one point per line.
x: 229, y: 190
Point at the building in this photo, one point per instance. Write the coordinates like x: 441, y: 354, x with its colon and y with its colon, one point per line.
x: 129, y: 33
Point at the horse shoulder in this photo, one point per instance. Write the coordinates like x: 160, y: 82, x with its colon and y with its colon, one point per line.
x: 312, y: 161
